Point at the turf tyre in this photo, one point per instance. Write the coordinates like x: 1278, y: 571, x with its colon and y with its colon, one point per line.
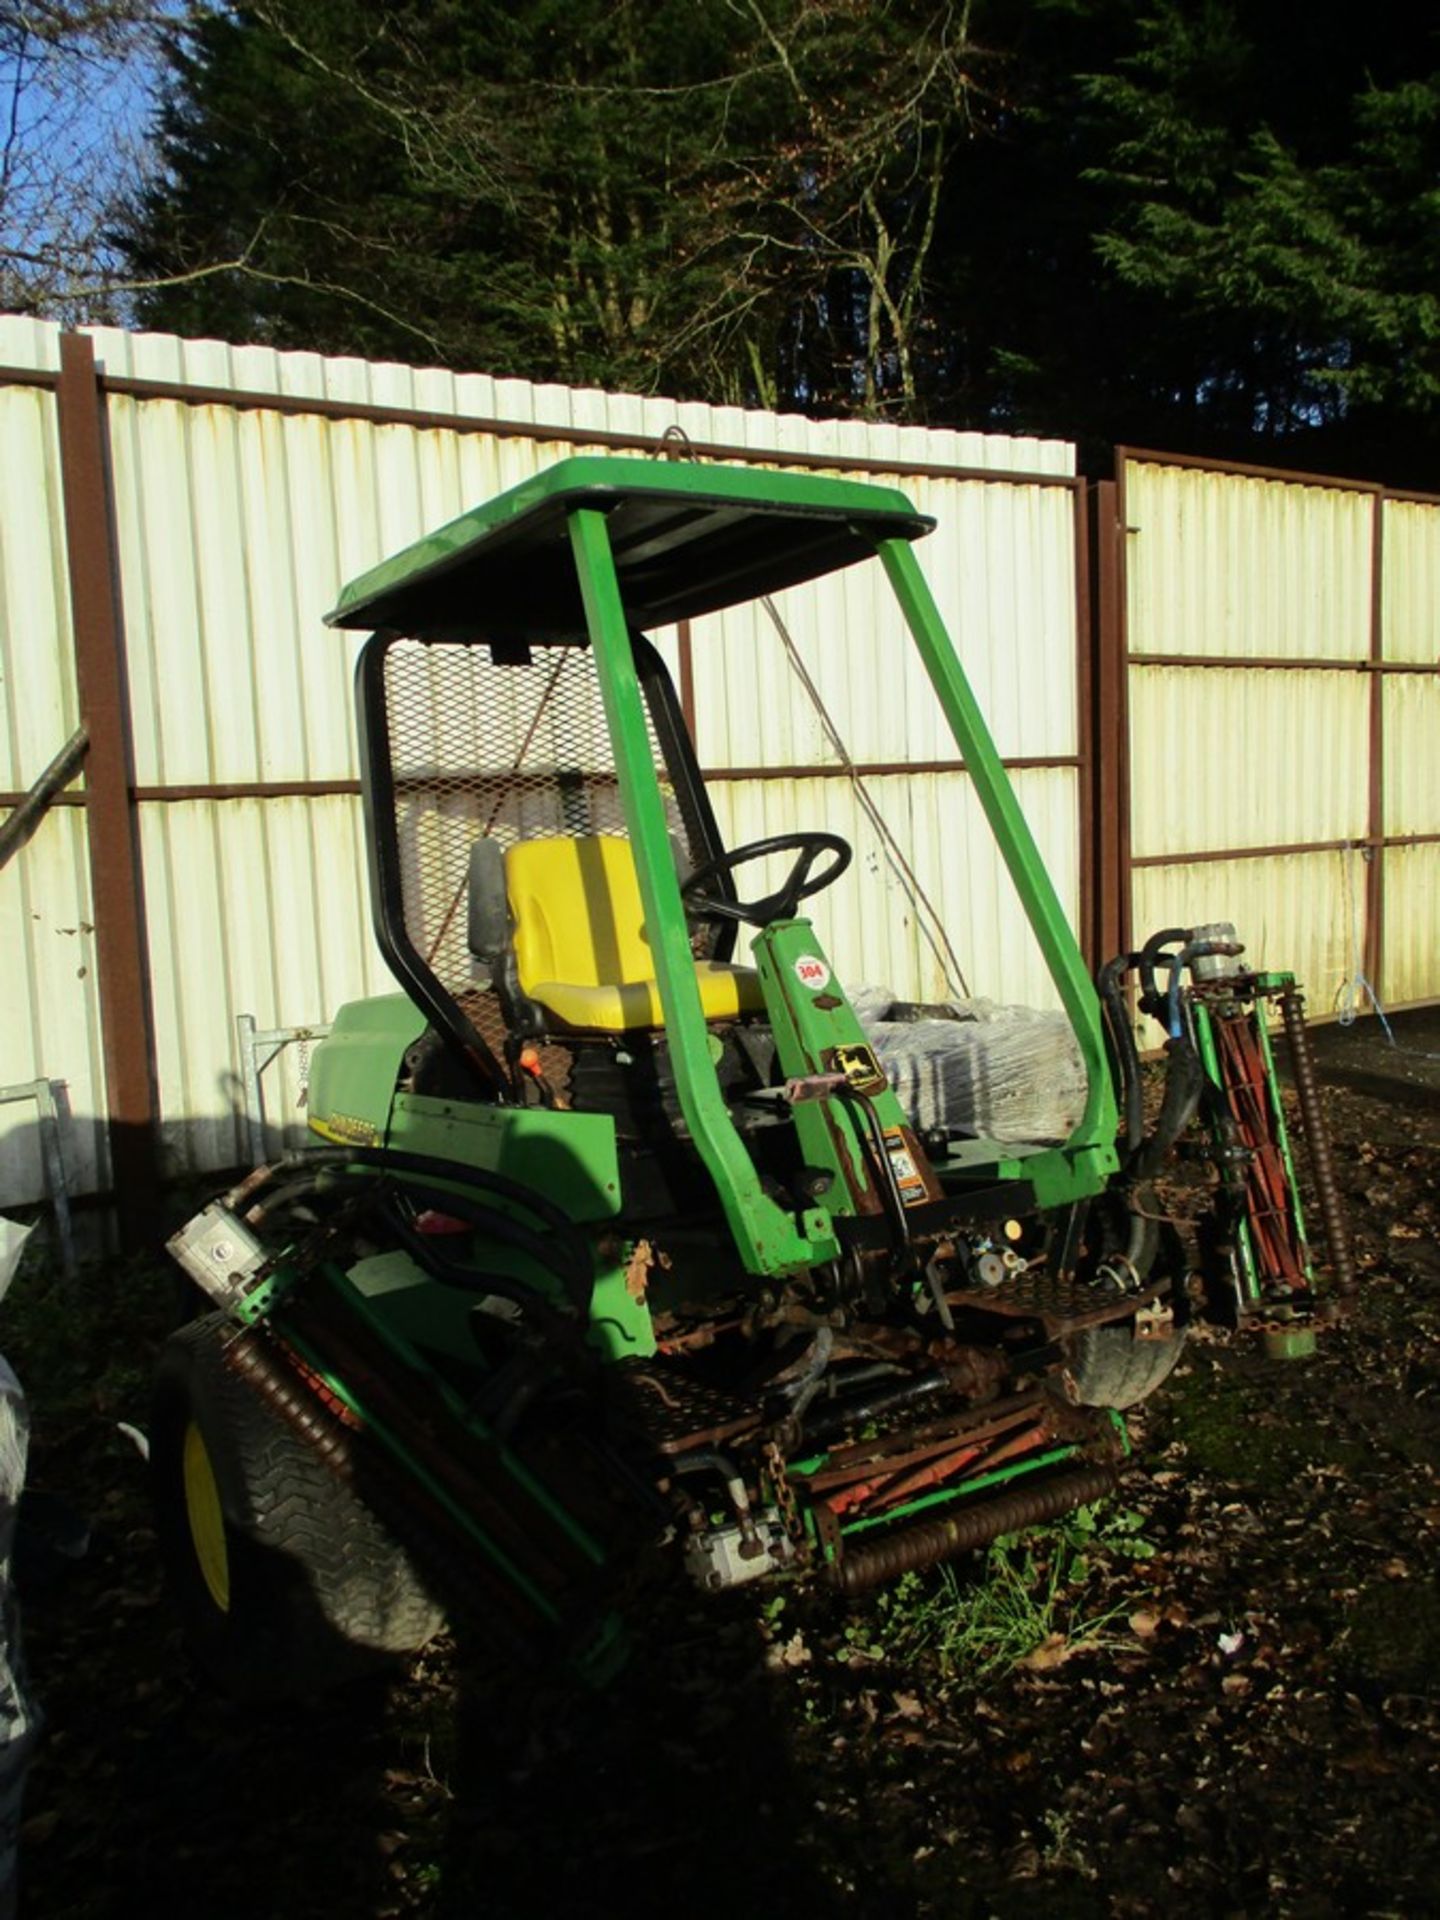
x: 1112, y: 1368
x: 286, y: 1581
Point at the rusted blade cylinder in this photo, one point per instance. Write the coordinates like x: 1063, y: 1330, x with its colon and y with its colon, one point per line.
x: 922, y: 1545
x: 1317, y: 1135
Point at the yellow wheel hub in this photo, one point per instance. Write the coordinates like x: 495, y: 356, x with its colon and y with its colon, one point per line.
x: 207, y: 1520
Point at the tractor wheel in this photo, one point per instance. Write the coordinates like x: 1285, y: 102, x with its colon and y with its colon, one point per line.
x: 1112, y: 1368
x: 287, y: 1582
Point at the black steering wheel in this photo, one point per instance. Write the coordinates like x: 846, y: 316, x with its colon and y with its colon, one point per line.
x: 779, y: 905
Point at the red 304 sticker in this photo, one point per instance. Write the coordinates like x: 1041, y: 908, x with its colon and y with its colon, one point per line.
x: 811, y: 971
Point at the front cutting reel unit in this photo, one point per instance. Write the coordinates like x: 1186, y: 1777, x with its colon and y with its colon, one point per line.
x: 617, y: 1248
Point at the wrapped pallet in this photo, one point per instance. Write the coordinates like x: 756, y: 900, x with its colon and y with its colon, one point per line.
x: 975, y: 1067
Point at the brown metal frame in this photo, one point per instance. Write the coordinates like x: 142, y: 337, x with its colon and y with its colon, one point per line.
x: 1110, y: 723
x: 116, y: 882
x: 1091, y: 944
x: 1113, y: 644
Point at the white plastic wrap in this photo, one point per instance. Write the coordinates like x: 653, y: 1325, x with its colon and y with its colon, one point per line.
x: 18, y: 1719
x: 1001, y: 1073
x: 12, y: 1244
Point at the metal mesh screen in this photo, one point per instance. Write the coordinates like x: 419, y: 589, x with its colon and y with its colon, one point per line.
x: 514, y: 752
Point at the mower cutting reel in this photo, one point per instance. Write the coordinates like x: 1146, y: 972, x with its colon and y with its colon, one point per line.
x: 617, y: 1249
x: 1221, y: 1067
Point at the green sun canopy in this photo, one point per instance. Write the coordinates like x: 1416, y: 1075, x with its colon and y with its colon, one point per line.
x: 687, y: 540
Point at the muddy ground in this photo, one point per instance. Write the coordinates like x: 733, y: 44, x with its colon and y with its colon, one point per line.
x: 1220, y: 1695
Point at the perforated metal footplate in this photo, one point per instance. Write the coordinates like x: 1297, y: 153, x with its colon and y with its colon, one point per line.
x: 1063, y: 1306
x: 676, y: 1414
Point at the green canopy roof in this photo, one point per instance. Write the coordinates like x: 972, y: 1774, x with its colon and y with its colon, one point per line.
x: 687, y: 539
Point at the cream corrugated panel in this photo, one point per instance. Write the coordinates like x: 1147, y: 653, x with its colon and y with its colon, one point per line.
x: 1411, y: 961
x: 1225, y: 757
x: 1227, y: 564
x: 1297, y: 913
x: 39, y: 709
x: 30, y: 345
x: 1412, y: 924
x: 1411, y: 569
x: 50, y: 1027
x: 867, y: 922
x: 236, y: 531
x: 1411, y: 956
x: 1412, y: 755
x: 1001, y: 565
x: 264, y: 908
x: 251, y: 369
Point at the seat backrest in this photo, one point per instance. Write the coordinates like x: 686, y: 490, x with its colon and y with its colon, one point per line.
x: 576, y: 912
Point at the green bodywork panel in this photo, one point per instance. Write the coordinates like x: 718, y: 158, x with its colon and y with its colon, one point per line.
x: 410, y: 1304
x: 569, y: 1158
x: 354, y: 1070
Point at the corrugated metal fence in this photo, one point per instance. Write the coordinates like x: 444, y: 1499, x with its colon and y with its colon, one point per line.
x: 176, y: 516
x: 1245, y: 730
x: 1277, y: 681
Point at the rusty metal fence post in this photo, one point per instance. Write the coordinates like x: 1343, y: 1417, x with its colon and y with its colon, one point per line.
x: 117, y: 887
x: 1109, y: 725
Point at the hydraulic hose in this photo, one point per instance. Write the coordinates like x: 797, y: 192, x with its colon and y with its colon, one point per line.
x: 1184, y: 1085
x: 422, y: 1248
x: 1150, y: 955
x: 562, y: 1253
x: 1125, y: 1055
x: 307, y: 1166
x: 395, y: 1160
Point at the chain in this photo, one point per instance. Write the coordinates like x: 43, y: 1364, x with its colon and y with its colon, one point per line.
x: 784, y: 1493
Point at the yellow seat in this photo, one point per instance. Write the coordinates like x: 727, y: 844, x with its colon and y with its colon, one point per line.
x: 580, y: 945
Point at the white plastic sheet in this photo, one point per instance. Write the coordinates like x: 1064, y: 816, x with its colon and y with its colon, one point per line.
x: 18, y: 1718
x: 1001, y: 1073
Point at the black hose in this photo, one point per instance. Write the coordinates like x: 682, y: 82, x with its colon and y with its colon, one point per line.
x: 1152, y: 999
x: 565, y: 1256
x: 1125, y: 1055
x: 310, y: 1165
x: 1185, y: 1082
x: 389, y: 1159
x: 422, y: 1248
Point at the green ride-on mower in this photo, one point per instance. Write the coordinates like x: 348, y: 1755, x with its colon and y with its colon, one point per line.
x: 617, y: 1250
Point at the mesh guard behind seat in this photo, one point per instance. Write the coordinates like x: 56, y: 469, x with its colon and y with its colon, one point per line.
x: 472, y: 742
x: 581, y: 949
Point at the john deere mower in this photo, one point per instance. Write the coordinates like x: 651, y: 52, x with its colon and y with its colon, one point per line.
x: 616, y: 1252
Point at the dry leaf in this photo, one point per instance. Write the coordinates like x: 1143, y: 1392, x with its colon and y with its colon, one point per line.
x: 1052, y: 1651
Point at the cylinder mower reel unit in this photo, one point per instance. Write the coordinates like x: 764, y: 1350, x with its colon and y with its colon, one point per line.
x: 615, y: 1244
x: 1257, y: 1265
